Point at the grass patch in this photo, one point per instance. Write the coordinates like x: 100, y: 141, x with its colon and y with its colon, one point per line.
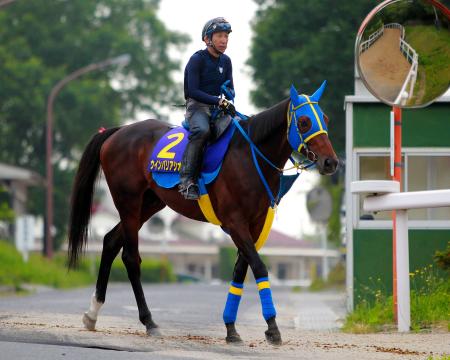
x: 54, y: 273
x: 430, y: 296
x: 433, y: 50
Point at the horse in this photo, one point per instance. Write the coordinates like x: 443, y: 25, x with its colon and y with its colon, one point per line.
x: 240, y: 196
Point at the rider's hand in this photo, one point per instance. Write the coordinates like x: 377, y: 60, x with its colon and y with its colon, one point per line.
x: 227, y: 106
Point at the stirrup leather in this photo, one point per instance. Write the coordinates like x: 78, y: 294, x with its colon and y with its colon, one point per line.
x: 189, y: 191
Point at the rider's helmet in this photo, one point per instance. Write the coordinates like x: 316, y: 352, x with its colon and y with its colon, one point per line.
x: 215, y: 25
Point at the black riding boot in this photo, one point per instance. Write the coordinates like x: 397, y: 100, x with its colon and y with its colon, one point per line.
x: 190, y: 170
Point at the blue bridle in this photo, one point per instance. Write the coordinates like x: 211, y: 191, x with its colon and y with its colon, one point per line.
x: 296, y: 139
x: 304, y: 105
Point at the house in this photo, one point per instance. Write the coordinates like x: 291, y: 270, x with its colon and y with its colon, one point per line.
x: 16, y: 181
x: 426, y: 166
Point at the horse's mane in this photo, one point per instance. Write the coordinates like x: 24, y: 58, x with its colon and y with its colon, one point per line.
x: 263, y: 124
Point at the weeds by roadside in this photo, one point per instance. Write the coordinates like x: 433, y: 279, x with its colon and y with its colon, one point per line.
x: 430, y: 298
x: 443, y: 357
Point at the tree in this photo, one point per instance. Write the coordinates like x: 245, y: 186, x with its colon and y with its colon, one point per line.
x: 43, y: 41
x: 303, y: 43
x: 6, y: 213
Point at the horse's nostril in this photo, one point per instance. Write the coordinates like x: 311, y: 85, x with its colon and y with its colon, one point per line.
x: 330, y: 163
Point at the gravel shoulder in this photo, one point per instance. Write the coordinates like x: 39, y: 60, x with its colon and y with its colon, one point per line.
x: 185, y: 338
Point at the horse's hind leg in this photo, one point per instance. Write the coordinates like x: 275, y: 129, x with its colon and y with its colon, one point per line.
x: 112, y: 243
x: 131, y: 223
x: 234, y: 298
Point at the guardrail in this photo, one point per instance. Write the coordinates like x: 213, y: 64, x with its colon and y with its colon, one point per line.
x: 408, y: 52
x: 396, y: 26
x: 413, y: 58
x: 365, y: 45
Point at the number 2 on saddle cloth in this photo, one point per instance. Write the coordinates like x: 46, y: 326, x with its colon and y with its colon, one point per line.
x: 165, y: 163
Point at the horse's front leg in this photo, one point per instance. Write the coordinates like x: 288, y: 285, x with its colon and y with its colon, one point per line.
x: 234, y: 298
x: 244, y: 242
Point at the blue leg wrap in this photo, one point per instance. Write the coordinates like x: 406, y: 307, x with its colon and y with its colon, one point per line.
x: 265, y: 294
x: 232, y: 305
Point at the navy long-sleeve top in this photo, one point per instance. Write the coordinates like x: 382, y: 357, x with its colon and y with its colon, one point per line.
x: 204, y: 74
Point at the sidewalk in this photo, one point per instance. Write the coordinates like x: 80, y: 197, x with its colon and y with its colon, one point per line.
x: 322, y: 311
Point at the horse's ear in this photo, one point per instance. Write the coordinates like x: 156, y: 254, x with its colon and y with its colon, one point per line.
x: 318, y: 94
x: 294, y: 96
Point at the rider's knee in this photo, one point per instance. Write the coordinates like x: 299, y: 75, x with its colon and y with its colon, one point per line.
x: 203, y: 133
x: 199, y: 127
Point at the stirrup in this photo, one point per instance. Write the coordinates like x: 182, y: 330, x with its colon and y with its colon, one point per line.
x: 189, y: 191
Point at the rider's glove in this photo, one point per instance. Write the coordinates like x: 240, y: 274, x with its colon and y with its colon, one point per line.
x: 227, y: 106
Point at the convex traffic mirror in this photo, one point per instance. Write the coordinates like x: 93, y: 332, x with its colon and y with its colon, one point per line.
x: 403, y: 52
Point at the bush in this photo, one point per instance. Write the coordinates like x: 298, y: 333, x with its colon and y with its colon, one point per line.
x: 227, y: 259
x: 442, y: 258
x: 317, y: 285
x: 152, y: 271
x: 336, y: 279
x: 39, y: 270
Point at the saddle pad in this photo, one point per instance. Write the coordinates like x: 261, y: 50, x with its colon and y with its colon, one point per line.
x: 165, y: 161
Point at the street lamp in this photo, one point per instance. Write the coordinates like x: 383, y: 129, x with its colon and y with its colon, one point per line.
x: 6, y: 2
x: 119, y: 60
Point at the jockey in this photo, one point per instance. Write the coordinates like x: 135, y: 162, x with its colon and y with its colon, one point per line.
x: 204, y: 74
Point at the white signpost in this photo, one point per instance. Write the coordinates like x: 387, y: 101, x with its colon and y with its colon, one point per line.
x: 24, y: 234
x: 385, y: 195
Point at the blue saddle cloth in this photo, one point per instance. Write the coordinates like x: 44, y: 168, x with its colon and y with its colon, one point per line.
x: 165, y: 161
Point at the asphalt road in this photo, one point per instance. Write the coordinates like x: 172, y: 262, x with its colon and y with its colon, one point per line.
x: 47, y: 325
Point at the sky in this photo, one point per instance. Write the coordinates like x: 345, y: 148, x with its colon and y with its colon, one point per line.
x: 189, y: 17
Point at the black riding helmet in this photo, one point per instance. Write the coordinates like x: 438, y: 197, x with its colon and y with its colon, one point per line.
x: 215, y: 25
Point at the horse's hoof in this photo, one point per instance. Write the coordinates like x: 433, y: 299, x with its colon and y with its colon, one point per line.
x: 233, y: 339
x: 89, y: 324
x: 154, y: 331
x: 273, y: 337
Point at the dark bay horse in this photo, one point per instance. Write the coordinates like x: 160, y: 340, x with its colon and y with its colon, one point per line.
x: 238, y: 195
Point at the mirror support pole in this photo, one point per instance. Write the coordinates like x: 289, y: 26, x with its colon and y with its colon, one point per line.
x: 397, y: 177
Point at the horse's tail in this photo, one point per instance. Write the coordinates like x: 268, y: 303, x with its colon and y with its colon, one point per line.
x: 82, y: 194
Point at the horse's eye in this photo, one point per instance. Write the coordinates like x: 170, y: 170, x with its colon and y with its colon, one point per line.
x: 304, y: 123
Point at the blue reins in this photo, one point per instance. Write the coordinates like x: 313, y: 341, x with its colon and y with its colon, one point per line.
x: 286, y: 181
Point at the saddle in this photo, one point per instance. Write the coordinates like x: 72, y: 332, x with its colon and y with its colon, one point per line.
x: 165, y: 160
x: 218, y: 125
